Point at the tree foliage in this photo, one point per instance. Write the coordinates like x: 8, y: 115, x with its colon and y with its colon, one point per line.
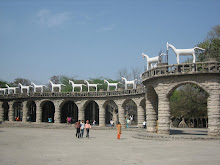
x: 211, y: 45
x: 188, y: 101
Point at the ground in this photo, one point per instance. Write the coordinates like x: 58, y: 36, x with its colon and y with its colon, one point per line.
x: 35, y: 146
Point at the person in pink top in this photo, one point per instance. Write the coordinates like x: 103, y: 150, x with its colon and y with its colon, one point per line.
x: 87, y: 127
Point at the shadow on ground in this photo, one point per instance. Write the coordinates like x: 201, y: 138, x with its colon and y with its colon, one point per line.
x: 184, y: 132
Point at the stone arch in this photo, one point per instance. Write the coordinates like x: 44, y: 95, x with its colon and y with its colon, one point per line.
x: 48, y: 111
x: 174, y: 86
x: 91, y: 111
x: 196, y: 122
x: 130, y: 108
x: 69, y: 109
x: 18, y: 111
x: 31, y: 111
x: 111, y: 111
x: 5, y: 107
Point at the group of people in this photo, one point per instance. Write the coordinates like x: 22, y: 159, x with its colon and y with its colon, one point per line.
x: 80, y: 127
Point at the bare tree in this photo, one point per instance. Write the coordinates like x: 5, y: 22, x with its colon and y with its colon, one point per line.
x: 22, y: 81
x: 124, y: 73
x: 135, y: 73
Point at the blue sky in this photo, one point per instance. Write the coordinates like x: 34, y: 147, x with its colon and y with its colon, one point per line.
x: 94, y: 38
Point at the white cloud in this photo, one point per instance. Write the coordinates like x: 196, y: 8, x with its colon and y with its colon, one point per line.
x: 104, y: 29
x: 46, y: 18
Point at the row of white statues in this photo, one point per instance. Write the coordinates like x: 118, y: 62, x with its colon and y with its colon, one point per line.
x: 9, y: 90
x: 178, y: 52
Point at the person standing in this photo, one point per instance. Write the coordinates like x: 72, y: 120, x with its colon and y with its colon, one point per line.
x: 87, y: 127
x: 82, y: 124
x: 77, y: 126
x: 128, y: 122
x: 118, y: 130
x: 111, y: 123
x: 144, y: 124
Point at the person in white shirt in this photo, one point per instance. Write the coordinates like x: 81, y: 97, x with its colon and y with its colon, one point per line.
x: 144, y: 124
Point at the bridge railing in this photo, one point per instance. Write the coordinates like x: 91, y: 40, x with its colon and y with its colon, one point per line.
x: 76, y: 94
x: 185, y: 68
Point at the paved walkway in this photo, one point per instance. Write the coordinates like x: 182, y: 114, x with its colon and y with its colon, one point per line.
x: 35, y: 146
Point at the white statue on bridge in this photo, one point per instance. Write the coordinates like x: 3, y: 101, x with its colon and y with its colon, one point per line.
x: 133, y: 83
x: 111, y: 84
x: 24, y: 87
x: 91, y: 85
x: 38, y: 86
x: 183, y: 52
x: 13, y: 89
x: 76, y: 85
x: 56, y: 86
x: 152, y: 60
x: 3, y: 90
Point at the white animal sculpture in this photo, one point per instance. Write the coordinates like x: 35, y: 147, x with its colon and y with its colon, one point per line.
x: 38, y: 86
x: 56, y: 86
x: 24, y: 87
x: 91, y: 85
x: 129, y: 83
x: 76, y: 85
x: 183, y: 52
x: 11, y: 89
x: 151, y: 60
x: 3, y: 90
x: 111, y: 84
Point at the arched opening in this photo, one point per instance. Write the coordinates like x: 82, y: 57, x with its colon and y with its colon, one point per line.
x: 69, y: 112
x: 18, y: 111
x: 130, y: 108
x: 31, y: 114
x: 92, y: 112
x: 111, y: 113
x: 5, y: 108
x: 188, y: 106
x: 48, y: 111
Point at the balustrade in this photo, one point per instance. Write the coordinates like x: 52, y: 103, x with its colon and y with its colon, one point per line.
x: 75, y: 94
x: 185, y: 68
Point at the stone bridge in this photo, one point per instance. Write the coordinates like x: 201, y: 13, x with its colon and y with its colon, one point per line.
x: 150, y: 103
x: 78, y: 105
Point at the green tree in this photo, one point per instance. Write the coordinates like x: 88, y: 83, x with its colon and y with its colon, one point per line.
x: 189, y: 101
x: 211, y: 45
x: 2, y: 83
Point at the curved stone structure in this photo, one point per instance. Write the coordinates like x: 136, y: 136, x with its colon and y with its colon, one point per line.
x: 162, y: 81
x: 52, y: 105
x: 151, y: 101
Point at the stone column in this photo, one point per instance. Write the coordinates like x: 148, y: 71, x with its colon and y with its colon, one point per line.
x: 140, y: 116
x: 25, y: 110
x: 57, y: 115
x: 150, y: 117
x: 101, y: 116
x: 1, y: 112
x: 213, y: 107
x: 121, y: 115
x: 81, y: 112
x: 11, y: 111
x: 163, y: 114
x: 38, y: 112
